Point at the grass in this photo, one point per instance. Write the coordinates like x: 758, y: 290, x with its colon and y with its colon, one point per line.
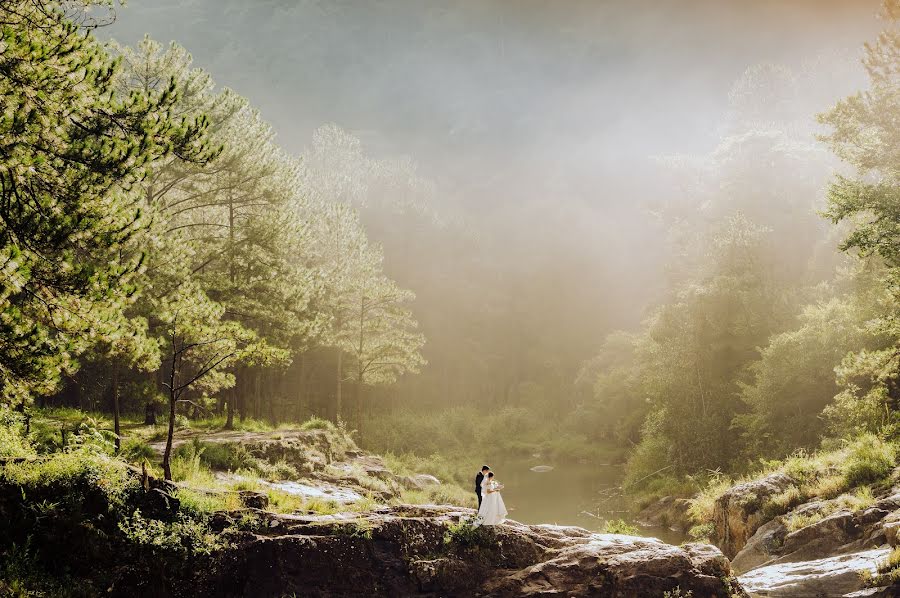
x: 887, y: 573
x: 844, y: 475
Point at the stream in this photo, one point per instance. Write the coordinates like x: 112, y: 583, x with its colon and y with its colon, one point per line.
x: 570, y: 493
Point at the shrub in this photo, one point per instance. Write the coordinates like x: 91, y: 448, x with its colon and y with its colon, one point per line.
x: 185, y: 535
x: 620, y: 526
x: 137, y: 450
x: 467, y: 534
x: 869, y: 460
x: 703, y: 532
x: 783, y: 502
x: 280, y: 470
x: 317, y: 423
x: 795, y: 522
x: 70, y: 474
x: 187, y: 465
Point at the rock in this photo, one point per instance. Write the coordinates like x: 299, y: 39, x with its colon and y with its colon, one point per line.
x: 822, y: 538
x: 833, y: 576
x: 667, y: 512
x: 404, y: 554
x: 424, y: 480
x: 254, y: 500
x: 542, y: 468
x: 419, y: 481
x: 891, y: 527
x: 738, y: 511
x: 764, y: 546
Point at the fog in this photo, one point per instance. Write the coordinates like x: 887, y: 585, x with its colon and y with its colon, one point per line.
x: 548, y: 130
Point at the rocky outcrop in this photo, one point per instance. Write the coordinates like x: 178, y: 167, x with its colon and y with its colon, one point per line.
x: 833, y: 576
x: 829, y: 556
x: 669, y: 512
x: 406, y: 551
x: 739, y: 513
x: 328, y: 462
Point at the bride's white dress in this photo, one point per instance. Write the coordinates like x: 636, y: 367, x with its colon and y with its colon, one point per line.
x: 492, y: 511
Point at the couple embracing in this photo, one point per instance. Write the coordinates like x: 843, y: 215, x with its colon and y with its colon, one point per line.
x: 491, y: 510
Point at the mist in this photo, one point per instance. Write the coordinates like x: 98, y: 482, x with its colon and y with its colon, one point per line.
x: 543, y: 126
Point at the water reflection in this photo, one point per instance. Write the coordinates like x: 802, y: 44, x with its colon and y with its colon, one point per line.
x: 568, y: 494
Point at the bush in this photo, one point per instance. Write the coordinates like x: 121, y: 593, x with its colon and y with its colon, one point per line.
x: 183, y: 536
x: 12, y: 442
x: 137, y: 450
x: 69, y: 475
x: 620, y: 526
x: 869, y: 460
x: 467, y: 534
x: 317, y: 423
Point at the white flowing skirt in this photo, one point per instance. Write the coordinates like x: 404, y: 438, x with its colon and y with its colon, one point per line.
x: 492, y: 511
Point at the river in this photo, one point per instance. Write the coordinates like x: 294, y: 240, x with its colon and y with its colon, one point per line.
x: 569, y: 494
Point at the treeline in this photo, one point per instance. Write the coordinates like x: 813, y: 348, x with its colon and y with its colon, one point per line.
x: 769, y: 341
x: 159, y: 251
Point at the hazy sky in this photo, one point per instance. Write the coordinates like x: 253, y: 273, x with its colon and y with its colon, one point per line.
x: 453, y: 82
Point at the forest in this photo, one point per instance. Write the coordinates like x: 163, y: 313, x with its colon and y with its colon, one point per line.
x: 180, y: 273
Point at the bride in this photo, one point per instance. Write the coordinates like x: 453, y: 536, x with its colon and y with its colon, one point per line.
x: 492, y: 511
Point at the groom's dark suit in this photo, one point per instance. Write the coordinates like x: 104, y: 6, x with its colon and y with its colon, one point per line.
x: 478, y: 480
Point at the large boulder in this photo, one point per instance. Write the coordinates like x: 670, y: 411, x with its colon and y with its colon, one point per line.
x: 832, y: 576
x: 763, y: 546
x: 739, y: 511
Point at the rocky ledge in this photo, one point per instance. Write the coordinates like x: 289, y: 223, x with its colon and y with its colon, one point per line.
x: 422, y: 551
x: 819, y: 548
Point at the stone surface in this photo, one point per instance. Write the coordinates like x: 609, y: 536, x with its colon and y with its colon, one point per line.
x: 404, y: 553
x: 254, y: 500
x: 738, y: 512
x: 833, y: 576
x: 669, y: 511
x: 764, y: 546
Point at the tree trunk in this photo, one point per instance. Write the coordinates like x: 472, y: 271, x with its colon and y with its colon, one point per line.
x: 115, y: 392
x: 167, y: 455
x: 301, y: 369
x: 338, y: 399
x: 173, y: 400
x: 359, y: 398
x: 229, y: 405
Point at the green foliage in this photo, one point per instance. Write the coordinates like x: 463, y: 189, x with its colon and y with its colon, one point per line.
x: 136, y: 450
x: 64, y: 475
x: 466, y: 534
x: 794, y: 380
x: 703, y: 532
x: 678, y: 593
x: 868, y: 460
x: 317, y: 423
x: 620, y: 526
x: 182, y: 536
x: 73, y: 153
x: 887, y: 572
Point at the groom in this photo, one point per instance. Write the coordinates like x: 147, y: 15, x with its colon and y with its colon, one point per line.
x: 478, y: 479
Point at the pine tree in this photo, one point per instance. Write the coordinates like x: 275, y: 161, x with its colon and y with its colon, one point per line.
x: 72, y: 152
